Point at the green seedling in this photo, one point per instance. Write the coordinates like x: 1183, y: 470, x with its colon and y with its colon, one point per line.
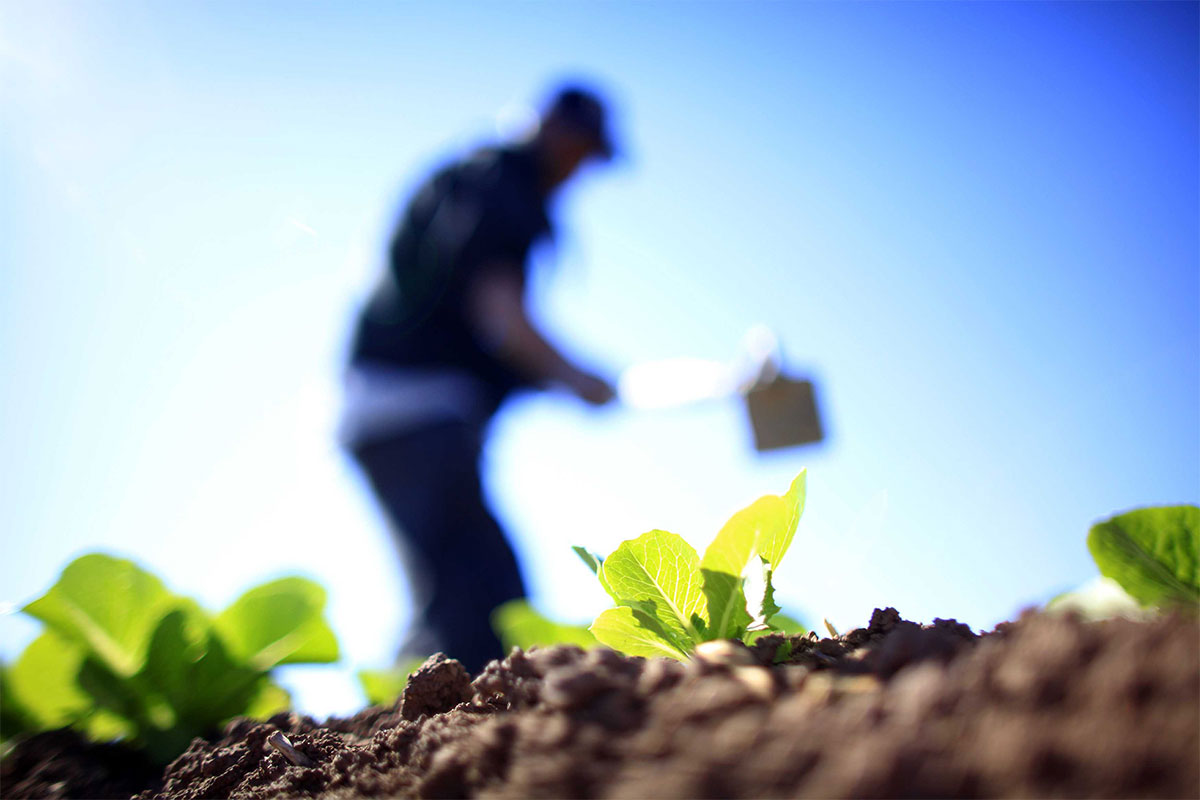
x: 122, y: 657
x: 1149, y: 560
x: 669, y: 599
x: 1153, y: 553
x: 519, y: 624
x: 383, y: 687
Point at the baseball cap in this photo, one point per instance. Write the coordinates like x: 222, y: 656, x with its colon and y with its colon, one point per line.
x: 582, y: 109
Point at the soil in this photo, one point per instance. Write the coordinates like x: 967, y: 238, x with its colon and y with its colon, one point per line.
x: 1047, y: 706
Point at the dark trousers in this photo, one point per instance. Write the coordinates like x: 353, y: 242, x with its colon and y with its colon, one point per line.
x: 456, y: 554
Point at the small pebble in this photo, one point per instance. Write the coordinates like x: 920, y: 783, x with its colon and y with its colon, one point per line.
x: 724, y: 652
x: 285, y: 748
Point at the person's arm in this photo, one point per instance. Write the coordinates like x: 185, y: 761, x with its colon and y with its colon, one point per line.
x: 496, y: 307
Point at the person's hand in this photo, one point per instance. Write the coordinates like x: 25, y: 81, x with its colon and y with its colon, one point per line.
x: 591, y: 388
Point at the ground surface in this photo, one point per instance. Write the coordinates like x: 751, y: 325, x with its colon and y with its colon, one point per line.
x: 1046, y: 706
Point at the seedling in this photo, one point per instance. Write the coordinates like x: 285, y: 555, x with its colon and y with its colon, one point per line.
x: 1149, y: 560
x: 383, y: 687
x: 519, y: 624
x: 1153, y: 553
x: 669, y: 599
x: 124, y: 657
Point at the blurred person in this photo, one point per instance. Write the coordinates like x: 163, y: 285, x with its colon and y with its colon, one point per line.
x: 442, y: 340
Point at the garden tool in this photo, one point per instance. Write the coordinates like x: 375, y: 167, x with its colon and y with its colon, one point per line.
x: 782, y: 410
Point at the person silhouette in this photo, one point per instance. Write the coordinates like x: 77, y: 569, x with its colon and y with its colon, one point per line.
x: 444, y: 337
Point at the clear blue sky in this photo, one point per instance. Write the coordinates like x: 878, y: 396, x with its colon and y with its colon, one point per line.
x: 974, y: 225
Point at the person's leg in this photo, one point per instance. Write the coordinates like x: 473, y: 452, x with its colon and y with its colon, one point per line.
x: 428, y: 483
x: 493, y: 574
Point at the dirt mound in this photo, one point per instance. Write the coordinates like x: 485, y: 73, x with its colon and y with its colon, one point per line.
x: 63, y: 763
x: 1046, y: 706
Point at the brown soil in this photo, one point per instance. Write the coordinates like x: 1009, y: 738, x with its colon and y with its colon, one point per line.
x: 64, y: 764
x: 1043, y: 707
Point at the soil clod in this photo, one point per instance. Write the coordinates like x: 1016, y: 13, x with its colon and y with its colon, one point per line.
x: 437, y: 686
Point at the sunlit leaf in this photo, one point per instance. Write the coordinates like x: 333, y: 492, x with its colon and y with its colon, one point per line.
x: 658, y: 573
x: 634, y: 633
x: 789, y: 625
x: 760, y: 594
x: 196, y: 676
x: 124, y: 697
x: 269, y: 701
x: 123, y: 657
x: 44, y: 681
x: 724, y: 564
x: 105, y: 726
x: 775, y: 539
x: 519, y: 624
x: 15, y: 719
x: 383, y: 687
x: 108, y: 604
x: 589, y: 558
x: 279, y: 622
x: 738, y: 590
x: 1153, y: 553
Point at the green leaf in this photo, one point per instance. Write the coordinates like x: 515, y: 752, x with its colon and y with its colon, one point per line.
x: 190, y: 668
x: 760, y: 595
x: 108, y: 604
x: 383, y: 687
x: 14, y: 718
x: 634, y: 633
x: 592, y: 560
x: 123, y: 657
x: 658, y: 573
x: 775, y: 539
x: 766, y: 527
x: 123, y: 697
x: 782, y: 623
x: 175, y: 649
x: 726, y: 604
x: 269, y: 701
x: 518, y: 624
x: 104, y: 726
x: 42, y: 682
x: 724, y: 565
x: 1153, y: 553
x: 278, y: 623
x: 673, y: 600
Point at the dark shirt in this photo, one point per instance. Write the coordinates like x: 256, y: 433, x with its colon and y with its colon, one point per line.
x: 483, y: 212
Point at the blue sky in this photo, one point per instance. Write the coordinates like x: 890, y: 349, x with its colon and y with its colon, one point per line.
x: 973, y: 225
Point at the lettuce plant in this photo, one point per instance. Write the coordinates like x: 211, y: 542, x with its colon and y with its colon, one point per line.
x: 382, y: 687
x: 1153, y: 553
x: 124, y: 657
x: 669, y: 598
x: 519, y: 624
